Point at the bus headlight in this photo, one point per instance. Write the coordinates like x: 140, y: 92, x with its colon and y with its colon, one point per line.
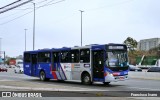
x: 108, y: 73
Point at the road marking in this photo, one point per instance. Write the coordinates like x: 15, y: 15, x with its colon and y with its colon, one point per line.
x: 76, y: 88
x: 6, y: 80
x: 22, y: 77
x: 48, y: 89
x: 144, y: 88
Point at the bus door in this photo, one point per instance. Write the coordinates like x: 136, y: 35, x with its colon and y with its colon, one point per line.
x: 98, y: 65
x: 33, y: 64
x: 56, y: 67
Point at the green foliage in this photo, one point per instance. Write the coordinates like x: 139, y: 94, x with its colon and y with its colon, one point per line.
x: 134, y: 54
x: 131, y: 42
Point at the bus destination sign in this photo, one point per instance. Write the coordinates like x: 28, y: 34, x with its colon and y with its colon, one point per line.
x: 116, y: 47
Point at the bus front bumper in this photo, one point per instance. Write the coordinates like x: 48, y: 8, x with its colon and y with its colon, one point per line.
x: 111, y: 78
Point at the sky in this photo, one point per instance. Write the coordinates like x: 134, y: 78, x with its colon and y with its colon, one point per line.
x: 58, y: 23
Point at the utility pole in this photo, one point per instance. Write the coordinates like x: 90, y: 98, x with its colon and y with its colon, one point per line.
x: 81, y: 25
x: 0, y: 47
x: 159, y: 51
x: 25, y: 38
x: 34, y: 27
x: 4, y: 58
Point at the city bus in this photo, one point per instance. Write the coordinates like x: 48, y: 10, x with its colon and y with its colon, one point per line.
x: 91, y: 63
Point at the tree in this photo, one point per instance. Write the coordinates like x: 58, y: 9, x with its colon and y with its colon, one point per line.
x: 131, y: 43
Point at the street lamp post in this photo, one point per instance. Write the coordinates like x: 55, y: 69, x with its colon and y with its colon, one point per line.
x: 1, y: 51
x: 0, y: 47
x: 81, y: 25
x: 34, y: 27
x: 25, y: 38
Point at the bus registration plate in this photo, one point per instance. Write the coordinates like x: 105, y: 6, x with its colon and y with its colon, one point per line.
x: 121, y: 77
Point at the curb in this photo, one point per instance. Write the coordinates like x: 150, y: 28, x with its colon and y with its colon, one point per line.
x: 144, y: 78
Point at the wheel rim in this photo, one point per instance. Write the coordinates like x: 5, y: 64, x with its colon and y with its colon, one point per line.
x: 42, y: 76
x: 86, y: 79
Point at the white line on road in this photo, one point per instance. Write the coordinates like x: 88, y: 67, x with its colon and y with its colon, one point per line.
x: 68, y: 87
x: 21, y: 77
x: 144, y: 88
x: 6, y: 80
x: 49, y: 89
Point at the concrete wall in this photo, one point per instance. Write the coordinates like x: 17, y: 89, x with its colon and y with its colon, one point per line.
x: 145, y: 75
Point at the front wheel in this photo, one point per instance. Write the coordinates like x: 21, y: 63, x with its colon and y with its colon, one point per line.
x: 86, y: 79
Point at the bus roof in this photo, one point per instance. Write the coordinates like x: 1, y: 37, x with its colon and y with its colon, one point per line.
x: 76, y: 47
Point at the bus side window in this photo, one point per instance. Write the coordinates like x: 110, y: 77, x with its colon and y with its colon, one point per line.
x: 55, y: 57
x: 44, y: 57
x: 74, y: 56
x: 47, y: 57
x: 27, y: 57
x: 65, y: 56
x: 34, y: 59
x: 84, y: 55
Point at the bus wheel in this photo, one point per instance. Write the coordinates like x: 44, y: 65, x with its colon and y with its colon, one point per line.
x: 86, y: 79
x: 42, y: 76
x: 106, y: 83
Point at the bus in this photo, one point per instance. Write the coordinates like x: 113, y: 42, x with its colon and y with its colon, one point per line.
x: 91, y: 63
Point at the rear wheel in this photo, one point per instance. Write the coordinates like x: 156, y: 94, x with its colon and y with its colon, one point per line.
x: 86, y: 79
x: 42, y: 76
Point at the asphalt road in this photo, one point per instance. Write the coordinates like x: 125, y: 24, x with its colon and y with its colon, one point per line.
x: 9, y: 81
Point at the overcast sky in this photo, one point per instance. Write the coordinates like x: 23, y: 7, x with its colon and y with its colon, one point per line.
x: 59, y: 25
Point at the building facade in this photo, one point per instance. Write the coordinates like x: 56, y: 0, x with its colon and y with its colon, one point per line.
x: 147, y: 44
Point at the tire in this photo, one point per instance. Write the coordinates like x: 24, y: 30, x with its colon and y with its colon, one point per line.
x: 43, y: 76
x: 86, y: 79
x: 106, y: 83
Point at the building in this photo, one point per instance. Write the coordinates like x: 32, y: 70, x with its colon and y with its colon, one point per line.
x: 19, y: 57
x: 147, y: 44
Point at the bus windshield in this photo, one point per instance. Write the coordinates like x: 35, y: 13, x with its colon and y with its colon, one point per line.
x: 117, y: 59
